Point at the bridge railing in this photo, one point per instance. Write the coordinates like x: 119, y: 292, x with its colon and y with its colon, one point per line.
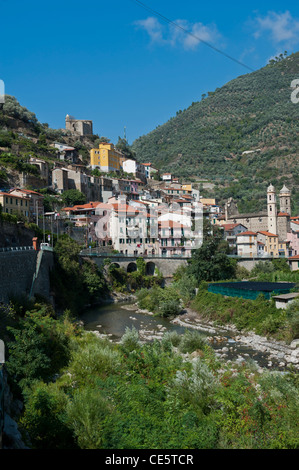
x: 91, y: 252
x: 16, y: 248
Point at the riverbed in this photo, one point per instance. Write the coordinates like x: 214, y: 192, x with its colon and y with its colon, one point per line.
x: 113, y: 319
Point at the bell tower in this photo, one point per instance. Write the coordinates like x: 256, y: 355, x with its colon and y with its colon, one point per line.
x: 285, y: 200
x: 272, y: 210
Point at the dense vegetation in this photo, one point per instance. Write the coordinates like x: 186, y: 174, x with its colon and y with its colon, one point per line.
x: 76, y: 282
x: 208, y: 139
x: 83, y: 392
x: 210, y: 263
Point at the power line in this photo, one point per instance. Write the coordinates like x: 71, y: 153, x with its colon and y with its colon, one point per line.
x: 167, y: 20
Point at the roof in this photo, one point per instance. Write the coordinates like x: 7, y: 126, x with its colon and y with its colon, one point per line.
x: 89, y: 205
x: 283, y: 214
x: 290, y: 296
x: 246, y: 233
x: 230, y: 226
x: 171, y: 224
x: 294, y: 258
x: 10, y: 195
x: 268, y: 234
x: 27, y: 191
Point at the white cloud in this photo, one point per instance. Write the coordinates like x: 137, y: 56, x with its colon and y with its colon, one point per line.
x: 281, y: 27
x: 173, y: 36
x: 152, y: 27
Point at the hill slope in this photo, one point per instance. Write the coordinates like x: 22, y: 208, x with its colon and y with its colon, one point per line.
x: 208, y: 139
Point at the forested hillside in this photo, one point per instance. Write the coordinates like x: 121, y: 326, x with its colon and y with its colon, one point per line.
x: 252, y: 112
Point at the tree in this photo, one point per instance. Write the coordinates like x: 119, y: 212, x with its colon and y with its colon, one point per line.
x: 72, y: 197
x: 125, y: 148
x: 211, y: 263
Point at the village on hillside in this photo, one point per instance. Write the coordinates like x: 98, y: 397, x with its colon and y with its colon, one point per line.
x: 132, y: 209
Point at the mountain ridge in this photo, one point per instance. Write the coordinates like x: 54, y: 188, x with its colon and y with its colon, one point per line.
x: 253, y: 111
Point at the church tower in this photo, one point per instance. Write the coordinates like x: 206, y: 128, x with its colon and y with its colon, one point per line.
x: 285, y: 200
x: 272, y: 210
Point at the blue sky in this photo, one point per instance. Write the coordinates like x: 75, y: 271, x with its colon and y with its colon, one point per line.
x: 120, y: 65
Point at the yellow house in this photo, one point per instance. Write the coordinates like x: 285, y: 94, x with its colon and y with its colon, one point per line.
x: 107, y: 158
x: 12, y: 204
x: 270, y: 241
x: 187, y: 187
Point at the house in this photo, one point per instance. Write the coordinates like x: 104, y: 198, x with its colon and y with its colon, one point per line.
x: 133, y: 230
x: 106, y: 157
x: 294, y: 263
x: 60, y: 180
x: 36, y: 202
x: 43, y: 167
x: 293, y: 238
x: 150, y: 170
x: 270, y: 241
x: 230, y: 232
x: 167, y: 177
x: 283, y: 300
x: 15, y: 204
x: 174, y: 239
x: 135, y: 168
x: 247, y: 244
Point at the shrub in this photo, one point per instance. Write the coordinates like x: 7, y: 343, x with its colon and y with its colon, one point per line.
x: 86, y: 415
x: 173, y: 337
x: 94, y: 359
x: 169, y: 308
x: 192, y: 341
x: 45, y: 419
x: 130, y: 339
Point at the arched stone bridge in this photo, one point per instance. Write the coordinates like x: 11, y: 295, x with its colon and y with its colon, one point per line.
x: 167, y: 266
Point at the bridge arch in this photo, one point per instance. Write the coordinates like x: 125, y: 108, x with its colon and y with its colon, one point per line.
x: 132, y: 267
x: 150, y: 268
x: 115, y: 265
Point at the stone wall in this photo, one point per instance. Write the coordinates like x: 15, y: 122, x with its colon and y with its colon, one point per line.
x: 17, y: 271
x: 12, y: 235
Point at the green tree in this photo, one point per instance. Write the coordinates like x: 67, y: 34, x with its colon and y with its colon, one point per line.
x: 45, y: 417
x: 72, y: 197
x: 210, y: 263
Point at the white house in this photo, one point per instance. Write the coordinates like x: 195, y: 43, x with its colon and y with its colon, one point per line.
x: 247, y: 244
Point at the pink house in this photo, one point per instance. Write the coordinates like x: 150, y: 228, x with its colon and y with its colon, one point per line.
x: 293, y: 238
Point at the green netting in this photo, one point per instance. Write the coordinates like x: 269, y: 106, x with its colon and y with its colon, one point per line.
x: 251, y: 290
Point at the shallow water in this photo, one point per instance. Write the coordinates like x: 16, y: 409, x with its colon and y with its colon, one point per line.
x: 113, y: 319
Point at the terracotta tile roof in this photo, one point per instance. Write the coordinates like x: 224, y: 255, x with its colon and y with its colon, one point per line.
x: 296, y: 257
x: 247, y: 233
x: 268, y: 234
x: 11, y: 195
x: 283, y: 214
x: 230, y: 226
x: 26, y: 191
x: 171, y: 224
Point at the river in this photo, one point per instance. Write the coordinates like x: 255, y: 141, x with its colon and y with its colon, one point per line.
x: 113, y: 319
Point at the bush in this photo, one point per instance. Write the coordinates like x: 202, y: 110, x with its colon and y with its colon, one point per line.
x: 86, y: 415
x: 192, y: 341
x: 45, y: 417
x: 292, y: 313
x: 173, y: 337
x: 93, y: 359
x: 169, y: 308
x: 130, y: 340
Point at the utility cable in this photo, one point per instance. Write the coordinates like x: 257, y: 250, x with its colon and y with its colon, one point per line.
x: 167, y: 20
